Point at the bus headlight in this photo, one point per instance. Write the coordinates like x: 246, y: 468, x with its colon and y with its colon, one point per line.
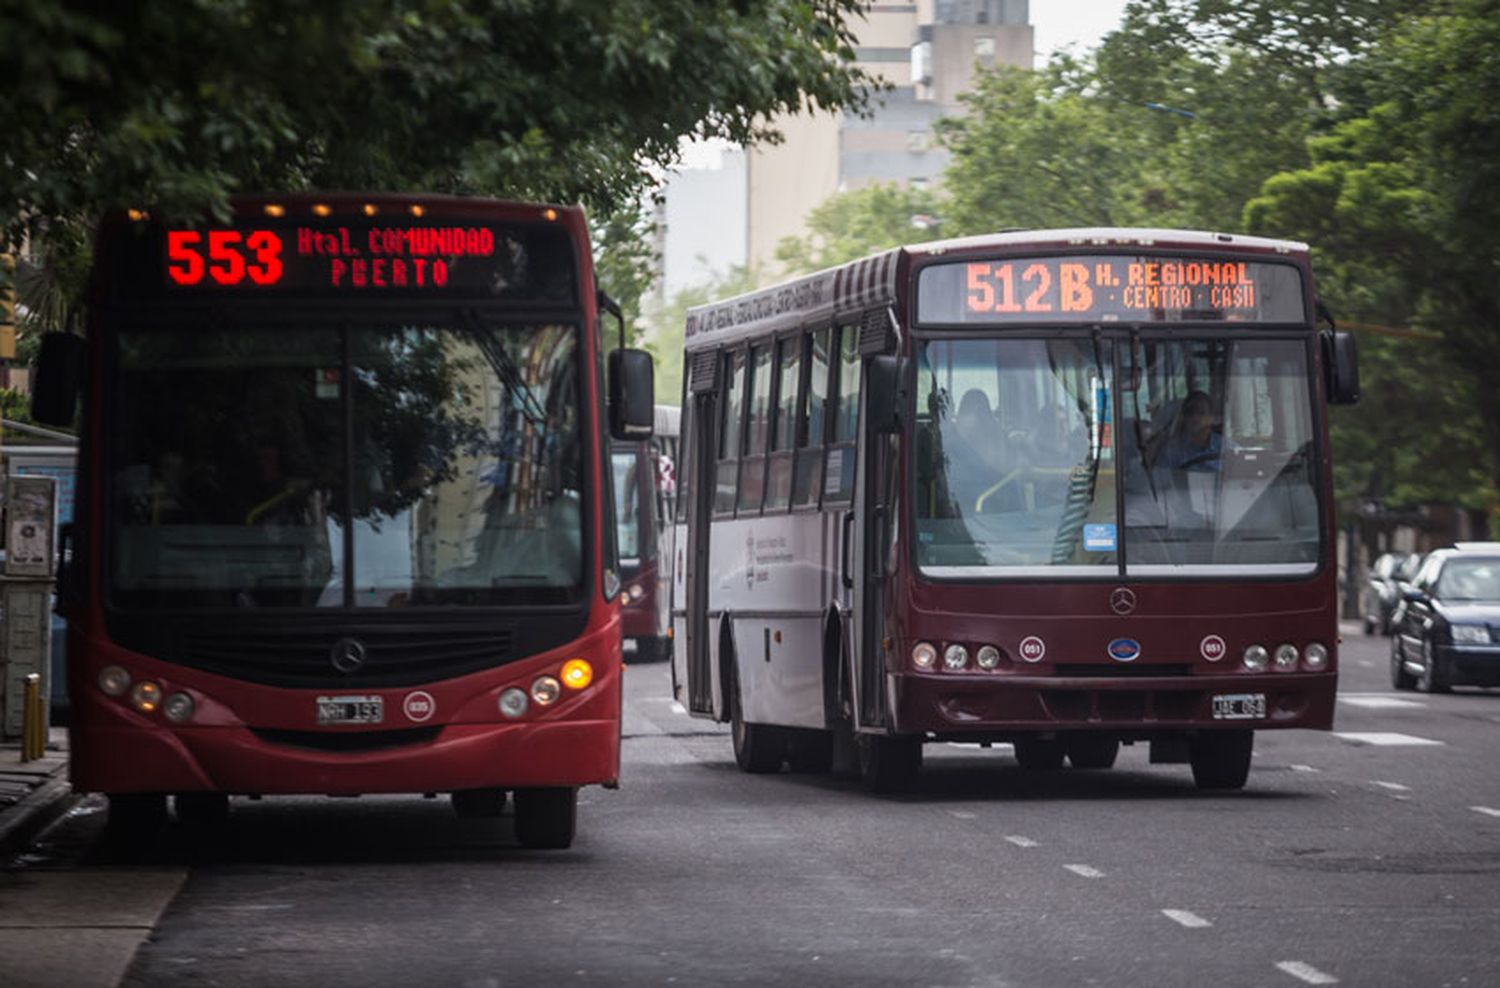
x: 577, y: 673
x: 636, y: 591
x: 1315, y: 658
x: 988, y: 657
x: 1256, y: 657
x: 513, y: 702
x: 923, y: 655
x: 178, y: 708
x: 146, y: 696
x: 114, y: 680
x: 955, y: 657
x: 1286, y: 657
x: 546, y: 690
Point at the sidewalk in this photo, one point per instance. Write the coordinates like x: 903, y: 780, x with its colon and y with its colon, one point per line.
x: 32, y: 794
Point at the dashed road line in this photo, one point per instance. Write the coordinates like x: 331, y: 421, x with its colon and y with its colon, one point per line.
x: 1384, y: 739
x: 963, y: 814
x: 678, y: 708
x: 1184, y: 918
x: 1307, y: 973
x: 1303, y: 768
x: 1393, y: 786
x: 1020, y: 841
x: 1486, y: 810
x: 1084, y: 871
x: 1380, y: 701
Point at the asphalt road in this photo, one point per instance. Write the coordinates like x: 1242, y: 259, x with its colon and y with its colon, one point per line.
x: 1370, y: 856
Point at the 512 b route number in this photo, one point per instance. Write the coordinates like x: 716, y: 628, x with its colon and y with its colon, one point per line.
x: 993, y: 288
x: 226, y: 256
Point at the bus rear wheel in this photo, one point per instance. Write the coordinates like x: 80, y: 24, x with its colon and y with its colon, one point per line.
x: 889, y: 764
x: 1093, y: 751
x: 546, y: 818
x: 1221, y: 759
x: 758, y: 748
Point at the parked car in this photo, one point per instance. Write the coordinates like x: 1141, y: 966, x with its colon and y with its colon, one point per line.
x: 1383, y: 592
x: 1447, y: 632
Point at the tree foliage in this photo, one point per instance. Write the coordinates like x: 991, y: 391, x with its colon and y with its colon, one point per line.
x: 851, y: 225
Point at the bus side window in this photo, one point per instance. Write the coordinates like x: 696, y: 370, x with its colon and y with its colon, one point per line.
x: 731, y: 433
x: 784, y: 396
x: 758, y: 402
x: 807, y: 479
x: 838, y: 483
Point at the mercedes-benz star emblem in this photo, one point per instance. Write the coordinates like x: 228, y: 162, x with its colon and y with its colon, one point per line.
x: 348, y: 654
x: 1122, y: 600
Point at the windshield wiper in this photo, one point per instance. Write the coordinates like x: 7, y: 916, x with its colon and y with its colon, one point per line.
x: 505, y: 368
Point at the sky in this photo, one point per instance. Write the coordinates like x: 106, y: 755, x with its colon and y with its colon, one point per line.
x: 1081, y: 23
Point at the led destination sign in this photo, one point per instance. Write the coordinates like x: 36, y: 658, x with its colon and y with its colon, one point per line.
x: 432, y: 258
x: 1110, y: 288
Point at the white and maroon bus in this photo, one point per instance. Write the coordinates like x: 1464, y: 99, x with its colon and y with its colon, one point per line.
x: 1063, y: 489
x: 645, y: 485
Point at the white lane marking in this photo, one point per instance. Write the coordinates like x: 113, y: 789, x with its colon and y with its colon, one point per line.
x: 1191, y: 920
x: 1486, y: 810
x: 1304, y: 768
x: 1085, y: 871
x: 1306, y: 972
x: 962, y: 814
x: 1021, y: 841
x: 1383, y: 738
x: 1393, y: 786
x: 678, y: 708
x: 1376, y: 701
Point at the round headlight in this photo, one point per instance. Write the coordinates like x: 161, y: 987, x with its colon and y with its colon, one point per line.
x: 636, y: 591
x: 1315, y: 657
x: 955, y: 657
x: 988, y: 657
x: 1256, y: 657
x: 146, y: 696
x: 178, y: 708
x: 923, y: 655
x: 1286, y: 657
x: 577, y: 673
x: 546, y: 690
x: 114, y: 680
x: 513, y: 702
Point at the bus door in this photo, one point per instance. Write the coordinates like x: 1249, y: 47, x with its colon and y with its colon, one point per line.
x: 700, y: 448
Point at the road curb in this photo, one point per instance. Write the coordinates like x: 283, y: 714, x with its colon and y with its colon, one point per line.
x: 35, y: 813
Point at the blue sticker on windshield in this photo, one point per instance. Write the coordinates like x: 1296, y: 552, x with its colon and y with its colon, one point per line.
x: 1099, y: 538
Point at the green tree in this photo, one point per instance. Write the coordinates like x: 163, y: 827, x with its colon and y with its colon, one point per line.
x: 668, y: 319
x: 625, y: 258
x: 851, y: 225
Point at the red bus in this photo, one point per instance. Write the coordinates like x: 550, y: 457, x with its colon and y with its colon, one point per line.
x: 344, y: 522
x: 645, y: 488
x: 1061, y: 489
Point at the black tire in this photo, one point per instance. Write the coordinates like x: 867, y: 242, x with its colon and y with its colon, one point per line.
x: 889, y: 764
x: 1092, y: 751
x: 650, y: 650
x: 136, y: 816
x: 810, y: 751
x: 1221, y: 759
x: 204, y: 810
x: 479, y: 804
x: 1433, y: 677
x: 1039, y: 754
x: 1400, y: 678
x: 758, y: 748
x: 1369, y: 625
x: 546, y: 818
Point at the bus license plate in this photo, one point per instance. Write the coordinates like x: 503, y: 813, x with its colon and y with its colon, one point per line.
x: 350, y: 710
x: 1240, y: 706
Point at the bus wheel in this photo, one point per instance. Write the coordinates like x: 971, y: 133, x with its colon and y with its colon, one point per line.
x: 136, y: 815
x: 1432, y: 678
x: 1039, y: 754
x: 758, y: 748
x: 1400, y: 678
x: 889, y: 764
x: 1221, y: 759
x: 478, y: 804
x: 200, y: 809
x: 1092, y: 750
x: 810, y: 751
x: 546, y: 818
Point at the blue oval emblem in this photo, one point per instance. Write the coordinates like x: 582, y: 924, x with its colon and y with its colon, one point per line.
x: 1124, y: 649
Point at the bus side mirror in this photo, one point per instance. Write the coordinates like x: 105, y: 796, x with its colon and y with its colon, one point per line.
x: 59, y: 373
x: 1341, y: 367
x: 632, y: 395
x: 883, y: 385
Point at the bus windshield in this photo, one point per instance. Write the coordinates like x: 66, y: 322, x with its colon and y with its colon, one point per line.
x: 628, y: 520
x: 245, y: 474
x: 1029, y: 456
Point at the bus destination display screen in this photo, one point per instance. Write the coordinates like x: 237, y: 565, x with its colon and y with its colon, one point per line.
x: 419, y: 259
x: 1110, y: 288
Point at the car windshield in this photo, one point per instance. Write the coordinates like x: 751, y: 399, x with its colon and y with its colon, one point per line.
x: 245, y: 474
x: 1469, y: 580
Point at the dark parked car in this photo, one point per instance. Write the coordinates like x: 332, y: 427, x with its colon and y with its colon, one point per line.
x: 1383, y: 592
x: 1448, y: 631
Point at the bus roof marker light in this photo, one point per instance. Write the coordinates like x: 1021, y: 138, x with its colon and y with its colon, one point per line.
x: 370, y: 209
x: 136, y: 215
x: 178, y: 708
x: 1315, y: 657
x: 418, y: 210
x: 545, y: 690
x: 114, y: 680
x: 549, y: 214
x: 924, y: 655
x: 146, y: 696
x: 513, y: 702
x: 955, y: 656
x: 1256, y: 657
x: 275, y: 209
x: 577, y: 673
x: 1286, y: 657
